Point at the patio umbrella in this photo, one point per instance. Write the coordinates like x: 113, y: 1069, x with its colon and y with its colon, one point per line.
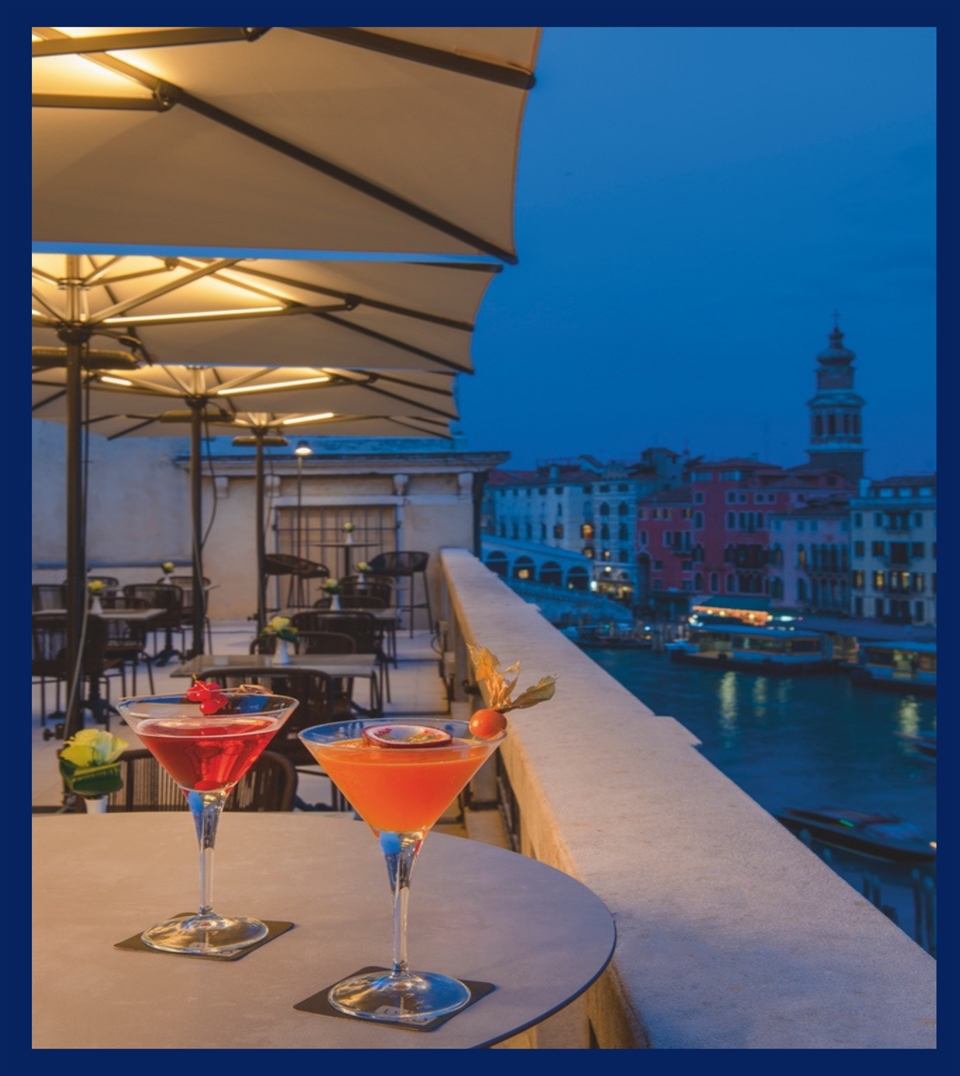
x: 152, y: 400
x: 87, y: 307
x: 400, y: 139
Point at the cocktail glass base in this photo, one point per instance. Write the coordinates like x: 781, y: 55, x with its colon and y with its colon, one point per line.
x: 204, y: 935
x: 398, y: 998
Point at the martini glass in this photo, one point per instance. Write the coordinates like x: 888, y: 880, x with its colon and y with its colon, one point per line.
x: 400, y: 778
x: 206, y: 754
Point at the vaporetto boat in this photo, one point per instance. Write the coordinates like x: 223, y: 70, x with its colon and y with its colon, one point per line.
x: 783, y: 650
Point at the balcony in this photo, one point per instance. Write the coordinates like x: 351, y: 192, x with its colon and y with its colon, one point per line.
x: 731, y: 933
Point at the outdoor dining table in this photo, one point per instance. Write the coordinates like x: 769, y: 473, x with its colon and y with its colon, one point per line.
x: 345, y: 548
x: 478, y: 912
x: 338, y: 666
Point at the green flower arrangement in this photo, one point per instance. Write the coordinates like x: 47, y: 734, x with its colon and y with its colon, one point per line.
x: 88, y: 763
x: 282, y: 628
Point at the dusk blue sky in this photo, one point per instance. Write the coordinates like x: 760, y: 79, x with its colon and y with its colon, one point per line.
x: 692, y: 204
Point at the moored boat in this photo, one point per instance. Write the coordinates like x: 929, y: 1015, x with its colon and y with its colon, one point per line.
x: 754, y: 649
x: 898, y: 666
x: 876, y: 834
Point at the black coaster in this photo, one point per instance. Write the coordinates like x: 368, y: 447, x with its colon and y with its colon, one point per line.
x: 318, y: 1003
x: 274, y: 930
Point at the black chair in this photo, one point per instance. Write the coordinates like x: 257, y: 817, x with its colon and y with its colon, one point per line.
x: 49, y: 596
x: 406, y: 566
x: 372, y: 595
x: 362, y: 626
x: 269, y: 785
x: 166, y: 596
x: 185, y: 583
x: 299, y: 570
x: 127, y: 639
x: 49, y: 632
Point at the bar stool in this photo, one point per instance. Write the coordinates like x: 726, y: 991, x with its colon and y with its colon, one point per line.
x: 407, y: 565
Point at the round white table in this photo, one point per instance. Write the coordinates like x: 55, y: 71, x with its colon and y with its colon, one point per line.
x: 476, y: 912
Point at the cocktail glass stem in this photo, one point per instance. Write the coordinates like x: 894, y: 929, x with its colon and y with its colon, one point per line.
x: 206, y: 808
x: 400, y: 851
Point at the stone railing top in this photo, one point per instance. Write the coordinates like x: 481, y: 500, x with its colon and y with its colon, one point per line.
x: 731, y: 934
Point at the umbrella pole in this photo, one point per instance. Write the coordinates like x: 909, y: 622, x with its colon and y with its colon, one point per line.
x: 199, y: 592
x: 261, y: 539
x: 76, y: 569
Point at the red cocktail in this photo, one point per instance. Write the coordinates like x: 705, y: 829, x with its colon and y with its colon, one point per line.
x: 206, y: 742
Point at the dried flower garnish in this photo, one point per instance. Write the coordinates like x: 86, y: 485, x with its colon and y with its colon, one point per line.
x: 210, y: 696
x: 499, y: 688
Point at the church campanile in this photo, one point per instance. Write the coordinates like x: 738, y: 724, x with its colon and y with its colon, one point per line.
x: 836, y: 429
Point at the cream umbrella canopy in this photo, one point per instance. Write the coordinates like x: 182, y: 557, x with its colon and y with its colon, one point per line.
x: 400, y: 139
x: 381, y: 316
x: 152, y: 401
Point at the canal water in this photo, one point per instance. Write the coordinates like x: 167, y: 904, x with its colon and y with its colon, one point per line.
x: 808, y: 741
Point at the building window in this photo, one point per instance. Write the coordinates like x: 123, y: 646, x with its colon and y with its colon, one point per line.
x: 558, y: 490
x: 624, y: 557
x: 604, y: 489
x: 604, y: 508
x: 878, y: 519
x: 877, y: 549
x: 918, y: 610
x: 701, y: 476
x: 622, y: 488
x: 586, y: 530
x: 858, y: 606
x: 622, y: 508
x: 604, y: 531
x: 698, y: 498
x: 528, y: 529
x: 714, y: 582
x: 878, y: 581
x: 918, y: 519
x: 859, y: 549
x: 641, y: 513
x: 605, y: 555
x: 668, y: 537
x: 731, y: 521
x: 729, y: 476
x: 516, y: 531
x: 685, y: 513
x: 801, y: 590
x: 801, y: 556
x: 543, y: 530
x: 813, y: 524
x: 658, y: 565
x: 858, y: 580
x: 918, y: 582
x: 731, y: 584
x: 698, y: 582
x: 643, y: 537
x: 558, y: 530
x: 858, y: 519
x: 624, y: 532
x: 731, y: 496
x: 698, y: 520
x: 588, y: 489
x: 917, y: 550
x: 666, y: 513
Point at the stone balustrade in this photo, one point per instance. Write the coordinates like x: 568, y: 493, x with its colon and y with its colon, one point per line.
x: 731, y: 933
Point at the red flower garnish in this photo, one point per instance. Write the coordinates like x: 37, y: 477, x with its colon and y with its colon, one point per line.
x: 210, y: 696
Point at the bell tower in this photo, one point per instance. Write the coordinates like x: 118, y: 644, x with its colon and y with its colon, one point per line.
x: 836, y: 429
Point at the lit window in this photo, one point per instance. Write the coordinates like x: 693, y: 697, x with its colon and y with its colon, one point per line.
x: 878, y: 581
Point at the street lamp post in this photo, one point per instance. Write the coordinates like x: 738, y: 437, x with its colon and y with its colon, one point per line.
x: 302, y: 450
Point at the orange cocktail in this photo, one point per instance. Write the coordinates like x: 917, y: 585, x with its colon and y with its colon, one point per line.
x: 400, y: 789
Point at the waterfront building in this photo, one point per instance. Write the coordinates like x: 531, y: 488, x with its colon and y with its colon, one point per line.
x: 894, y: 550
x: 584, y: 506
x: 712, y: 535
x: 809, y: 557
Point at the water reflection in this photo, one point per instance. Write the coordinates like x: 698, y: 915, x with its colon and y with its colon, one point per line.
x: 727, y: 692
x: 908, y: 716
x: 760, y: 697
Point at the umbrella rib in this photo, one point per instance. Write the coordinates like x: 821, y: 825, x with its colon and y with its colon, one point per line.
x: 383, y: 375
x: 516, y: 77
x: 406, y: 400
x: 173, y: 285
x: 149, y: 39
x: 360, y: 300
x: 395, y: 343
